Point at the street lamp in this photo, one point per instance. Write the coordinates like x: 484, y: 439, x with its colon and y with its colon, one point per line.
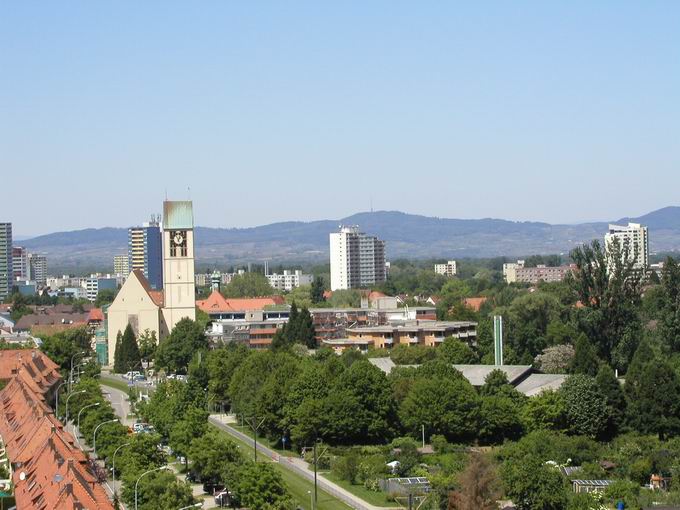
x: 69, y: 398
x: 195, y: 505
x: 71, y: 372
x: 167, y: 466
x: 114, y: 465
x: 94, y: 439
x: 311, y: 500
x: 81, y: 412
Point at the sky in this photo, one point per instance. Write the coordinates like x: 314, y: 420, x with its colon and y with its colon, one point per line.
x: 272, y: 111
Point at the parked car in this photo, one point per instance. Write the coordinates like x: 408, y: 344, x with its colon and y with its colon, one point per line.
x: 192, y: 477
x: 211, y: 487
x: 182, y: 378
x: 130, y: 376
x: 138, y: 377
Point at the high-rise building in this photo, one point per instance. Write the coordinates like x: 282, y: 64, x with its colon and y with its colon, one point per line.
x: 633, y: 241
x: 121, y: 265
x: 289, y: 280
x: 19, y: 263
x: 357, y: 259
x: 37, y: 268
x: 179, y: 288
x: 448, y: 269
x: 6, y: 277
x: 145, y: 252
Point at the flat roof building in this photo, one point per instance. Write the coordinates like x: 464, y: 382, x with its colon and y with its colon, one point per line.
x: 357, y: 259
x: 633, y: 240
x: 6, y: 275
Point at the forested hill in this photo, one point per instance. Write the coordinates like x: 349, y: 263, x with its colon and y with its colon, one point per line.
x: 407, y: 235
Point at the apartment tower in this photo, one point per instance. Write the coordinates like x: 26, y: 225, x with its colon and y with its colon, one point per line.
x: 357, y: 259
x: 145, y: 252
x: 632, y: 238
x: 6, y: 278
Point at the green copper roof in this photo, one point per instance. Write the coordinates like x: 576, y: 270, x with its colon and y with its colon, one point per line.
x: 178, y: 215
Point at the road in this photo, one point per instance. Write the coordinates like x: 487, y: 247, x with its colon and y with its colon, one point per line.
x: 121, y: 406
x: 297, y: 466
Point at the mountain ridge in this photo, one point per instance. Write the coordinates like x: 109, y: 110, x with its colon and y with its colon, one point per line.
x: 406, y: 235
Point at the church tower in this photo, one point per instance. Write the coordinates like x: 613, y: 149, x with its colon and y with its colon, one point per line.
x: 179, y: 292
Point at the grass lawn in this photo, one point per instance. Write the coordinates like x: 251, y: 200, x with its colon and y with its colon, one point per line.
x: 299, y: 487
x: 374, y: 498
x: 114, y: 383
x: 249, y: 432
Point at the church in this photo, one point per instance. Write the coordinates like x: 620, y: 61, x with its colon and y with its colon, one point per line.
x: 158, y: 311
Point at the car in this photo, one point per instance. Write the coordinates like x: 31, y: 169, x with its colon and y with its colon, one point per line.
x: 182, y: 378
x: 211, y: 487
x: 192, y: 477
x: 130, y: 376
x: 138, y: 377
x: 138, y: 427
x: 170, y: 376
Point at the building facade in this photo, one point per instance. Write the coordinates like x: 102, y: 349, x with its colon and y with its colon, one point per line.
x: 19, y: 263
x: 289, y: 280
x: 96, y: 283
x: 357, y: 259
x: 542, y: 273
x: 145, y: 247
x: 37, y: 269
x: 633, y: 239
x: 121, y: 264
x: 6, y: 276
x: 448, y: 269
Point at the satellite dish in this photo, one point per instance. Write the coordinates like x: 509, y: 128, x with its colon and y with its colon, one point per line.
x: 58, y: 478
x: 22, y: 476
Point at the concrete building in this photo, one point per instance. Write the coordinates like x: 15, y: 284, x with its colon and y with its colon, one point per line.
x: 633, y: 241
x: 289, y: 280
x: 542, y: 273
x: 6, y: 276
x: 97, y: 282
x: 121, y: 264
x: 357, y: 259
x: 37, y: 269
x: 510, y: 270
x: 448, y: 269
x: 19, y: 263
x: 414, y: 332
x: 145, y: 252
x: 142, y: 306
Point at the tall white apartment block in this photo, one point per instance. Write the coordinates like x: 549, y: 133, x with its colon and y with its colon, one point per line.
x: 19, y: 263
x: 6, y: 278
x: 289, y: 280
x: 448, y: 269
x: 357, y: 259
x: 633, y: 238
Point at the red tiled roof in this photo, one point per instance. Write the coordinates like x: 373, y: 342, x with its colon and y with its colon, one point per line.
x: 217, y: 303
x: 95, y: 315
x: 475, y: 303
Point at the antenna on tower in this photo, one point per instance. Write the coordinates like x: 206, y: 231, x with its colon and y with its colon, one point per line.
x: 371, y: 198
x: 189, y: 191
x: 166, y: 194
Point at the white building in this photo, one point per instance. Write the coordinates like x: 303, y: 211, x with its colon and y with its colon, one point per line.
x: 19, y: 263
x: 357, y: 259
x: 632, y: 239
x: 448, y: 269
x: 289, y: 280
x: 510, y: 270
x: 37, y: 268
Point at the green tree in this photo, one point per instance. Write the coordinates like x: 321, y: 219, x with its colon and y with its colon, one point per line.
x: 316, y: 293
x: 148, y: 343
x: 479, y: 486
x: 615, y: 398
x: 128, y: 357
x: 261, y: 487
x: 248, y: 285
x: 545, y: 411
x: 210, y: 452
x: 533, y: 485
x: 193, y: 424
x: 221, y: 364
x: 104, y: 297
x: 669, y: 325
x: 118, y: 355
x: 585, y: 405
x: 457, y: 352
x: 657, y: 409
x: 585, y: 358
x: 176, y: 351
x: 499, y: 420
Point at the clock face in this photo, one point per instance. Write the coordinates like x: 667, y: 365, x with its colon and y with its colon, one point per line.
x: 178, y: 238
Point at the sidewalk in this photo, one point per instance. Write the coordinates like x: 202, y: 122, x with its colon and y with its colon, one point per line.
x: 295, y: 464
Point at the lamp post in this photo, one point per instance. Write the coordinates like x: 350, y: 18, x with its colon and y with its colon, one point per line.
x: 94, y: 438
x: 167, y: 466
x: 114, y: 465
x: 71, y: 372
x: 69, y: 398
x: 81, y: 412
x: 56, y: 404
x: 311, y: 500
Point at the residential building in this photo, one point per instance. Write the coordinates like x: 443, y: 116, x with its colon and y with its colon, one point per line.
x: 37, y: 269
x: 6, y: 277
x: 542, y: 273
x: 19, y: 263
x: 510, y: 270
x: 145, y: 252
x: 97, y: 282
x: 448, y: 269
x: 201, y: 279
x: 58, y: 282
x: 412, y: 332
x: 289, y: 280
x: 143, y: 307
x: 633, y: 241
x: 357, y: 259
x: 121, y: 264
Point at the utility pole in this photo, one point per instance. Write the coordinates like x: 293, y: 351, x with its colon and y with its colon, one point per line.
x: 423, y: 435
x: 251, y: 422
x: 315, y: 490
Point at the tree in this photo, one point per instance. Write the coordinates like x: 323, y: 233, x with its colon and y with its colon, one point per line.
x: 157, y: 491
x: 615, y: 399
x: 260, y: 487
x: 444, y: 406
x: 176, y: 351
x: 479, y: 486
x: 546, y: 411
x: 316, y: 293
x: 669, y: 325
x: 499, y: 419
x: 128, y: 356
x: 104, y: 297
x: 221, y: 365
x: 118, y: 355
x: 457, y: 352
x: 556, y: 359
x: 656, y: 409
x: 403, y: 354
x: 209, y: 453
x: 248, y: 285
x: 585, y: 358
x: 298, y: 329
x: 193, y: 424
x: 585, y: 405
x: 147, y: 345
x: 533, y: 485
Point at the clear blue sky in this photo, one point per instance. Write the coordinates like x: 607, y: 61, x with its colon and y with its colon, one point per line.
x: 272, y: 111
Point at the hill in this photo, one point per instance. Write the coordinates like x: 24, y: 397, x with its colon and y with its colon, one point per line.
x: 407, y: 235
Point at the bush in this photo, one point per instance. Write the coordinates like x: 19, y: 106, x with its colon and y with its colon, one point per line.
x: 346, y: 467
